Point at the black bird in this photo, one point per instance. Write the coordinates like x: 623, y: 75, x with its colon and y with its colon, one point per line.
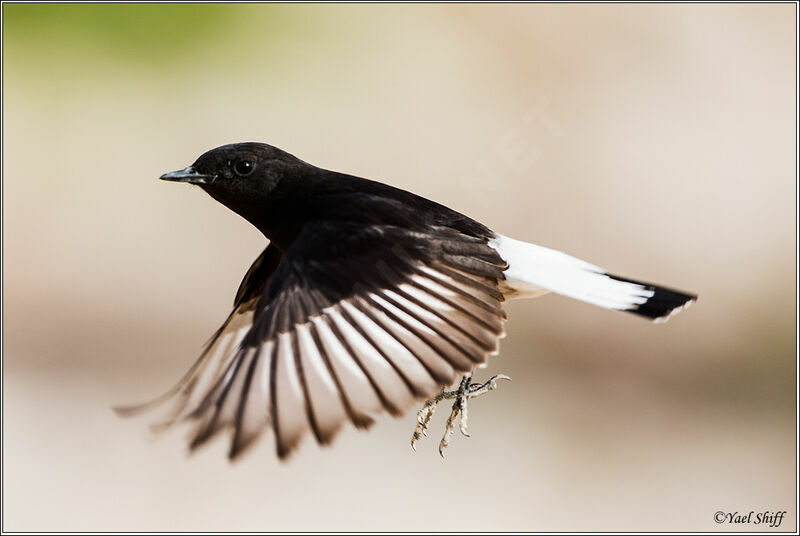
x: 366, y: 299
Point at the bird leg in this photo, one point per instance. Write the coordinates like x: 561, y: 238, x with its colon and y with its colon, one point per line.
x: 465, y: 390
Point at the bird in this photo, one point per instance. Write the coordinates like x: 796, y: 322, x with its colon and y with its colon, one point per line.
x: 367, y: 299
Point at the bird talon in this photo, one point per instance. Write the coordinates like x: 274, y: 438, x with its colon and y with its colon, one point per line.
x: 462, y: 427
x: 461, y: 395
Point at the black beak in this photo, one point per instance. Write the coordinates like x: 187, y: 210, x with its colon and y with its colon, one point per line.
x: 187, y: 175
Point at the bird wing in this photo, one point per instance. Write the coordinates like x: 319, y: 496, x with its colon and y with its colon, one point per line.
x: 350, y: 321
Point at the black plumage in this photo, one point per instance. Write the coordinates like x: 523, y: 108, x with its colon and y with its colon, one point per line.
x: 367, y: 298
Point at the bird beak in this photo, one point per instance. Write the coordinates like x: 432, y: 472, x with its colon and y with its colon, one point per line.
x: 187, y: 175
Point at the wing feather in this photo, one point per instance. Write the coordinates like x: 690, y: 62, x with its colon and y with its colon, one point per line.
x: 392, y: 351
x: 343, y: 329
x: 291, y: 417
x: 253, y: 414
x: 356, y: 387
x: 429, y: 357
x: 322, y: 390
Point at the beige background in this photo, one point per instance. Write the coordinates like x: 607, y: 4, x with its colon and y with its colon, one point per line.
x: 657, y: 141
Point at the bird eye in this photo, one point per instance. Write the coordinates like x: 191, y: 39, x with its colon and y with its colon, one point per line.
x: 243, y: 167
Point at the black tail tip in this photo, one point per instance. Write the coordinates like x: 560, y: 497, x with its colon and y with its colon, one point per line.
x: 663, y: 304
x: 672, y: 307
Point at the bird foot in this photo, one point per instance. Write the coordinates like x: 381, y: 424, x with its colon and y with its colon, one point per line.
x: 466, y: 390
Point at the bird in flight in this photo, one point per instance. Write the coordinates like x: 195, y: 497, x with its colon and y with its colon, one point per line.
x: 367, y: 299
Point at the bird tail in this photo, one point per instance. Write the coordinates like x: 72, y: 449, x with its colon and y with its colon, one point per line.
x: 535, y: 270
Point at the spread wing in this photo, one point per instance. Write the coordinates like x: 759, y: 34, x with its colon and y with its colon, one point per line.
x: 350, y: 321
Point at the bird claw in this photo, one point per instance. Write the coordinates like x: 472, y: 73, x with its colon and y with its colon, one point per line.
x: 423, y: 418
x: 461, y: 395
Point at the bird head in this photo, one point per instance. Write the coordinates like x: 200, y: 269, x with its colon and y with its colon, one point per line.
x: 241, y: 176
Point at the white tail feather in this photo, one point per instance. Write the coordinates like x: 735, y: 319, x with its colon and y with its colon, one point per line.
x: 535, y: 270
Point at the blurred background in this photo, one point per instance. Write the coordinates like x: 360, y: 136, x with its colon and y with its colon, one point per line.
x: 654, y: 140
